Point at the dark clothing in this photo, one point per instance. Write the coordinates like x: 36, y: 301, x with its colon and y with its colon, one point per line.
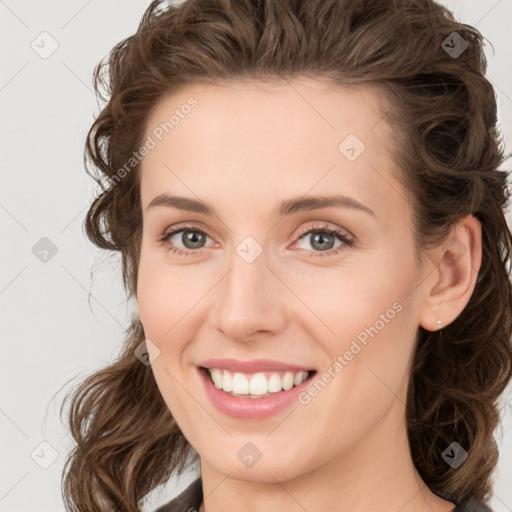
x: 190, y: 500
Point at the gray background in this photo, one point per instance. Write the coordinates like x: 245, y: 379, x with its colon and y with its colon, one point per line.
x: 50, y: 333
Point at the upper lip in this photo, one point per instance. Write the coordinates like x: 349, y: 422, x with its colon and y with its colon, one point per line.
x: 253, y: 366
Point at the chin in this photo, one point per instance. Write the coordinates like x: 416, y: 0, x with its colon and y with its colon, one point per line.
x: 266, y: 470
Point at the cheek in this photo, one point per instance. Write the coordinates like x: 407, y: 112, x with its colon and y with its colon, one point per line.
x: 368, y: 356
x: 366, y: 315
x: 155, y: 305
x: 165, y: 294
x: 344, y: 301
x: 164, y: 300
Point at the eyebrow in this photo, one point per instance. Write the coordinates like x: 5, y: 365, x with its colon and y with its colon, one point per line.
x: 287, y: 207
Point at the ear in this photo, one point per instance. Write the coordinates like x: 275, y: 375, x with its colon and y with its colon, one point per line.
x: 447, y: 288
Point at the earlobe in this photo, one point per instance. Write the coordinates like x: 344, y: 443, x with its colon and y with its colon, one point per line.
x: 448, y: 287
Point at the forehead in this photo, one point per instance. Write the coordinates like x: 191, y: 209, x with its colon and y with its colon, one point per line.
x: 304, y: 106
x: 269, y: 136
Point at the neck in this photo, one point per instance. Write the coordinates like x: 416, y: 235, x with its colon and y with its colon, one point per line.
x: 377, y: 473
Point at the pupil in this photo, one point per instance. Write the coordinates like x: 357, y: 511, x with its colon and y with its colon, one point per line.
x: 321, y: 237
x: 193, y: 237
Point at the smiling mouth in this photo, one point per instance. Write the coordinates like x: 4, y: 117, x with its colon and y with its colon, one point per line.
x: 256, y: 385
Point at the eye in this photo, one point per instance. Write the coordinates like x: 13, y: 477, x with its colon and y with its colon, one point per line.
x: 193, y: 240
x: 323, y: 239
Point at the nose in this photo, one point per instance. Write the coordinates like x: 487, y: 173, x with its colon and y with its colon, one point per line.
x: 250, y: 301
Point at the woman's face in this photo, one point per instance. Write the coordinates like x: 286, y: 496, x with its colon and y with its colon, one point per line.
x: 261, y: 279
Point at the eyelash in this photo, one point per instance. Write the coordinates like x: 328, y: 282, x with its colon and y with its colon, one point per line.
x: 336, y: 232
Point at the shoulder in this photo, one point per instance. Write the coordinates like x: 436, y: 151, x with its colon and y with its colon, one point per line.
x: 472, y: 506
x: 188, y: 501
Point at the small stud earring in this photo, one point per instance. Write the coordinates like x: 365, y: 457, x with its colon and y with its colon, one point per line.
x: 438, y: 321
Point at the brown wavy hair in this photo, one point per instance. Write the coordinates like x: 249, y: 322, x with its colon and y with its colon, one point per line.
x: 448, y: 147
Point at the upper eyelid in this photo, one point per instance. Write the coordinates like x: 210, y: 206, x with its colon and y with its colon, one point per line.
x: 345, y: 232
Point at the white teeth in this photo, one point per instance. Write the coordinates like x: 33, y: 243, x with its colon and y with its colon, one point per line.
x: 274, y: 383
x: 256, y: 384
x: 240, y: 384
x: 298, y: 378
x: 288, y: 381
x: 216, y: 377
x: 227, y: 383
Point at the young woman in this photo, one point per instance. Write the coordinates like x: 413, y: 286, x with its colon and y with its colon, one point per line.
x: 308, y: 203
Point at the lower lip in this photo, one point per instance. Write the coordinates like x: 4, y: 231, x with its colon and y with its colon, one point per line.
x: 250, y: 408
